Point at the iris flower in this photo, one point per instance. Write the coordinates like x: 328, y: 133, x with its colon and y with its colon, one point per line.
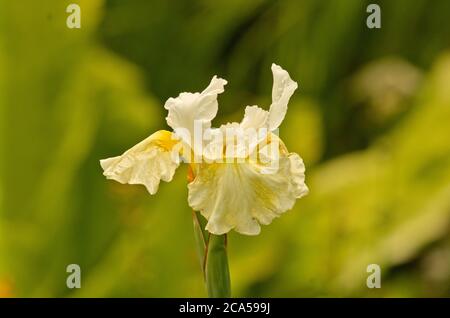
x: 241, y: 174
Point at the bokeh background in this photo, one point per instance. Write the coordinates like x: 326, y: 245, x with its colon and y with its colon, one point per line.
x: 371, y: 120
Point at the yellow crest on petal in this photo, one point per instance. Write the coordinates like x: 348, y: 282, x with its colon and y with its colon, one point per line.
x: 150, y: 161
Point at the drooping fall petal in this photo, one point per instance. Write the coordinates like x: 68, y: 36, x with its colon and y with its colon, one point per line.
x: 146, y: 163
x: 241, y: 196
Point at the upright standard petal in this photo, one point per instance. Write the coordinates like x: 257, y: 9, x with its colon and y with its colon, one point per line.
x: 150, y: 161
x: 283, y: 88
x: 188, y: 108
x: 254, y: 118
x: 241, y: 196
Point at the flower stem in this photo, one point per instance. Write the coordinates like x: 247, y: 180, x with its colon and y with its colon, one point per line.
x: 216, y: 270
x: 212, y: 251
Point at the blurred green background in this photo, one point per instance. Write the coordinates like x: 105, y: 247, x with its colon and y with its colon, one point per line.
x: 371, y: 120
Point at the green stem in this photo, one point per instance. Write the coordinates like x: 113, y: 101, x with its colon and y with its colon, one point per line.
x: 216, y: 271
x: 212, y: 251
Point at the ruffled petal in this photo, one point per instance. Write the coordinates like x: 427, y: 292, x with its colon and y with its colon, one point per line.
x: 241, y: 196
x: 187, y: 108
x: 282, y: 90
x: 153, y: 159
x: 254, y: 117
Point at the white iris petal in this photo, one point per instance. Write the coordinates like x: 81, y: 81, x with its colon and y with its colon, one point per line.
x: 187, y: 108
x: 146, y: 163
x: 282, y: 90
x: 254, y: 117
x: 240, y: 196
